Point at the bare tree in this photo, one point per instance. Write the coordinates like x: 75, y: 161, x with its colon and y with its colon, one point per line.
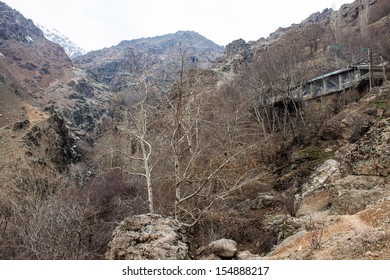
x: 312, y: 35
x: 141, y: 126
x: 134, y: 147
x: 273, y: 83
x: 200, y: 152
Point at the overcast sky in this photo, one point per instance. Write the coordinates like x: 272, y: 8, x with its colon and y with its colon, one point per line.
x: 95, y: 24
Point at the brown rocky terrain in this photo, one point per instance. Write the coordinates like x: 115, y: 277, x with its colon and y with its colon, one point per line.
x: 342, y: 194
x: 243, y: 178
x: 29, y: 63
x: 26, y: 52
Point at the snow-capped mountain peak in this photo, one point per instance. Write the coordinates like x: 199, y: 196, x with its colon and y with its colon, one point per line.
x: 57, y: 37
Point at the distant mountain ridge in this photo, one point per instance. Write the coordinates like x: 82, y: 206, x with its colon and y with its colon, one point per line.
x: 71, y: 48
x: 157, y: 59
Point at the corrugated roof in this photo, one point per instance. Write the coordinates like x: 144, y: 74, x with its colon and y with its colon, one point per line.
x: 331, y: 74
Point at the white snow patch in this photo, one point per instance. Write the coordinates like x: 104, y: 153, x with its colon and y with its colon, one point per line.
x: 57, y: 37
x: 29, y: 39
x: 2, y: 55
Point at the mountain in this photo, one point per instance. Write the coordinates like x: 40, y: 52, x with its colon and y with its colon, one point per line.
x: 284, y: 178
x: 28, y: 60
x: 156, y: 59
x: 57, y: 37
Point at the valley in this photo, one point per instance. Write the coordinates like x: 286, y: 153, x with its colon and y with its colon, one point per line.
x: 173, y: 147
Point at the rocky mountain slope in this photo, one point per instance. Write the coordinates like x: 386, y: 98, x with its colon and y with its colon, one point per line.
x: 312, y: 183
x: 158, y: 60
x: 71, y: 49
x: 28, y: 61
x: 344, y: 211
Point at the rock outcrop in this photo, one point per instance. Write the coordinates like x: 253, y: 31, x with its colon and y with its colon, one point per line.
x: 371, y: 155
x: 236, y: 53
x: 353, y: 194
x: 53, y: 141
x: 369, y: 162
x: 324, y: 174
x: 148, y: 237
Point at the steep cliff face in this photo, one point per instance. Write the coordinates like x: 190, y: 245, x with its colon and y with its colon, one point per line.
x: 28, y: 60
x: 156, y: 60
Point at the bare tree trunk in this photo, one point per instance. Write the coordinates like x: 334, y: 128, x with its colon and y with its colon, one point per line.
x: 146, y: 152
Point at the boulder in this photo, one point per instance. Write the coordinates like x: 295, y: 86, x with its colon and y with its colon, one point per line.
x: 219, y: 249
x: 225, y: 248
x: 148, y: 237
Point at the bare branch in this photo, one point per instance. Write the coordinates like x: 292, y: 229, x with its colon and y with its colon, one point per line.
x: 214, y: 173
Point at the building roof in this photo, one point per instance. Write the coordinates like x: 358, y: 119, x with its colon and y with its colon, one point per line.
x: 346, y: 69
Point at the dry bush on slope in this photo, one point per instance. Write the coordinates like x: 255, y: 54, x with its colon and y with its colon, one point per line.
x: 379, y: 10
x: 45, y: 216
x: 247, y: 229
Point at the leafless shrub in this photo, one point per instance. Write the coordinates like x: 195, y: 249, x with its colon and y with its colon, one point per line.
x: 316, y: 230
x: 291, y: 202
x: 36, y: 224
x: 115, y: 195
x: 379, y: 10
x: 57, y: 229
x: 247, y: 230
x: 35, y: 181
x: 111, y: 198
x: 5, y: 215
x: 312, y: 35
x: 43, y: 215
